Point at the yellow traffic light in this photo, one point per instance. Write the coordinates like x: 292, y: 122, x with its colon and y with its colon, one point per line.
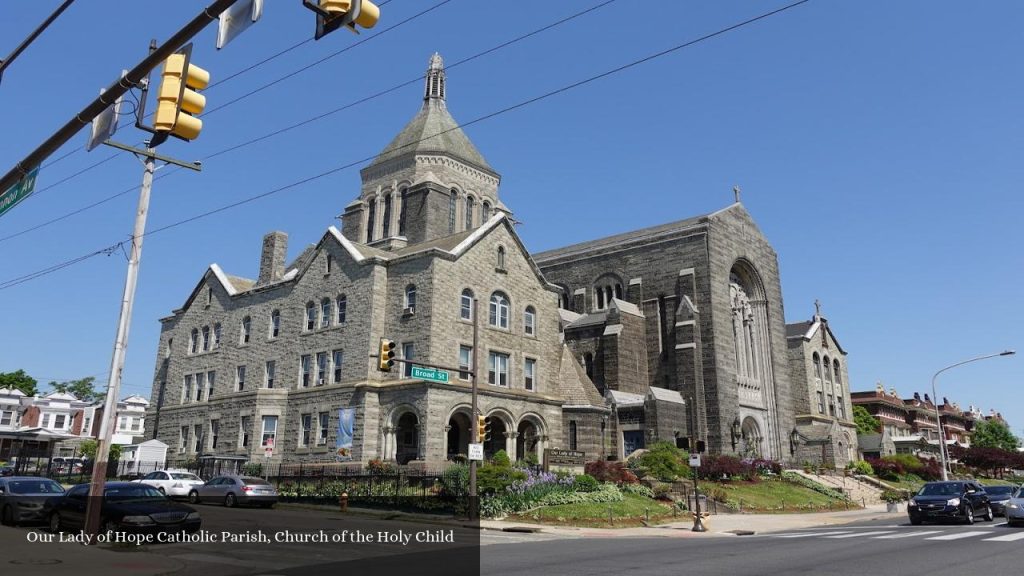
x: 177, y: 99
x: 386, y: 356
x: 481, y: 428
x: 369, y: 13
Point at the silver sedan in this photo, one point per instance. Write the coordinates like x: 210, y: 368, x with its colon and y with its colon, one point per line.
x: 1014, y: 509
x: 234, y: 490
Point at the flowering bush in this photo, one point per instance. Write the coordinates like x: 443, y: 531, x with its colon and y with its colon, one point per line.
x: 378, y: 466
x: 615, y: 472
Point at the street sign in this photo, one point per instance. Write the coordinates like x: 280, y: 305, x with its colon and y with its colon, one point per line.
x: 104, y: 125
x: 694, y: 460
x: 476, y: 452
x: 23, y: 188
x: 237, y: 19
x: 431, y: 374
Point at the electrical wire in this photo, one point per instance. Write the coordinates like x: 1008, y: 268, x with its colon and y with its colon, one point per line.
x: 448, y: 68
x: 31, y: 276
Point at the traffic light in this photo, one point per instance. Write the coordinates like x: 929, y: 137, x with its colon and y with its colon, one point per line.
x: 481, y: 428
x: 700, y: 447
x: 386, y: 355
x: 178, y: 99
x: 333, y: 14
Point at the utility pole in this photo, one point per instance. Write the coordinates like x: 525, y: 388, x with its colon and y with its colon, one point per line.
x: 474, y: 501
x: 31, y: 37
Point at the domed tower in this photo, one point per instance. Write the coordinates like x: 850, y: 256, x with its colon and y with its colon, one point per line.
x: 429, y: 182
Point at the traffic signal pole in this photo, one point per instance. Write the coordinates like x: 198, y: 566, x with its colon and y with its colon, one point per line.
x: 474, y: 502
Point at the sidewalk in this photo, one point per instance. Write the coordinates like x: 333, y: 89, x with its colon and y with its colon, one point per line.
x: 23, y: 557
x: 717, y: 525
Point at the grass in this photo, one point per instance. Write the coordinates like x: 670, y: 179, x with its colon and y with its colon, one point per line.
x: 773, y: 495
x: 629, y: 512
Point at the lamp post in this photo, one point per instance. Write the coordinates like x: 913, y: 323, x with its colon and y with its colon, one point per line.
x: 935, y: 402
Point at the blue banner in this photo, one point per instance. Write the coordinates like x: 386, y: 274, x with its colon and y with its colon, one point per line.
x: 346, y: 424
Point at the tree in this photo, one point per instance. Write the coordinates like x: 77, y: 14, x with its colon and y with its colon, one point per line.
x: 88, y: 449
x: 82, y: 389
x: 866, y: 423
x: 19, y: 381
x: 994, y: 434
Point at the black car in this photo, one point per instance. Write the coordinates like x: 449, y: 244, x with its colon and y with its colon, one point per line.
x: 127, y: 507
x: 22, y: 498
x: 998, y: 496
x: 955, y: 500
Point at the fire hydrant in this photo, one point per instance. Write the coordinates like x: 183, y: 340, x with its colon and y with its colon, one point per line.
x: 343, y: 501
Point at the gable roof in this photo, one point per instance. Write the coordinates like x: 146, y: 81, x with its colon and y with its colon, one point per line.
x: 666, y: 395
x: 806, y: 330
x: 574, y: 385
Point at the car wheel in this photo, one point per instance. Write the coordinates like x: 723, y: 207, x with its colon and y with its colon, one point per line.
x: 7, y: 519
x: 988, y: 513
x: 193, y: 497
x: 915, y: 521
x: 968, y: 514
x: 55, y: 523
x: 230, y: 501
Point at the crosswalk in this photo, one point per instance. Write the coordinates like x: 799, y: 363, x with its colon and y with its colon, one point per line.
x: 991, y: 534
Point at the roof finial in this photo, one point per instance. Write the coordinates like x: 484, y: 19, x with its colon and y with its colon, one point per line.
x: 435, y: 81
x: 736, y: 193
x: 817, y: 309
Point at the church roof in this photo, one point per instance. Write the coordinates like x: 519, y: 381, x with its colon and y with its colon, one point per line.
x: 433, y: 130
x: 573, y: 383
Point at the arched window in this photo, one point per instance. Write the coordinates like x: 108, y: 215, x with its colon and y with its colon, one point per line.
x: 466, y: 305
x: 826, y: 364
x: 246, y: 330
x: 310, y: 316
x: 618, y: 291
x: 452, y: 203
x: 501, y: 258
x: 564, y: 299
x: 607, y: 287
x: 193, y: 341
x: 499, y: 310
x: 386, y: 225
x: 325, y: 313
x: 206, y: 338
x: 371, y: 217
x: 600, y: 299
x: 485, y: 211
x: 530, y: 321
x: 216, y: 335
x: 342, y: 308
x: 835, y: 371
x: 402, y: 212
x: 817, y: 366
x: 275, y: 323
x: 410, y: 298
x: 469, y: 212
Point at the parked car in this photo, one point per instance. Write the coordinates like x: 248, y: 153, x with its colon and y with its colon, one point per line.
x: 6, y: 471
x: 172, y: 482
x: 22, y: 498
x: 127, y: 507
x: 233, y: 490
x: 1014, y: 508
x: 954, y: 500
x: 998, y: 497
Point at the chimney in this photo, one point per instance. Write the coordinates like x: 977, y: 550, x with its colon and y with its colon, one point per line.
x: 275, y: 249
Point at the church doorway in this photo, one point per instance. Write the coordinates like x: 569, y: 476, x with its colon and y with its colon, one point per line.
x: 527, y: 441
x: 407, y: 438
x: 496, y: 439
x: 751, y: 438
x: 458, y: 435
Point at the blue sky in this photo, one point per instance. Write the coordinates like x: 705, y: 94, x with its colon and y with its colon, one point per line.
x: 878, y: 145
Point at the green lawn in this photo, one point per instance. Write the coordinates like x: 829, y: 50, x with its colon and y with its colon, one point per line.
x: 773, y: 496
x: 629, y: 512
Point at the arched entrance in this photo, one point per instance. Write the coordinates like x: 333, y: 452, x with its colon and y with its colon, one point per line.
x: 528, y: 441
x: 458, y: 435
x: 497, y: 437
x: 407, y: 438
x: 752, y: 438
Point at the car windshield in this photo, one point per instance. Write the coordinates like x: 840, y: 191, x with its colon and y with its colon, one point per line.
x: 34, y: 487
x: 999, y: 490
x: 945, y: 489
x: 255, y: 481
x: 184, y: 476
x: 133, y: 492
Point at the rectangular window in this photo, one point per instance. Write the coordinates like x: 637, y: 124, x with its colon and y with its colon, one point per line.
x: 321, y: 432
x: 182, y: 439
x: 269, y: 431
x: 197, y: 438
x: 529, y: 322
x: 408, y: 353
x: 338, y: 358
x: 310, y: 316
x: 330, y: 264
x: 572, y: 435
x: 214, y: 433
x: 122, y: 423
x: 342, y: 309
x: 186, y: 390
x: 216, y: 335
x: 245, y: 428
x: 46, y: 421
x: 821, y: 402
x: 210, y: 377
x: 321, y: 368
x: 466, y: 307
x: 325, y: 313
x: 529, y: 374
x: 240, y: 378
x: 304, y: 362
x: 200, y: 386
x: 497, y: 369
x: 246, y: 329
x: 831, y: 406
x: 59, y: 421
x: 275, y: 324
x: 465, y: 362
x: 842, y: 407
x: 6, y: 418
x: 206, y: 338
x: 136, y: 424
x: 307, y: 430
x: 271, y: 366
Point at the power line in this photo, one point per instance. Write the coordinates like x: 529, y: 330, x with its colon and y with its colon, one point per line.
x: 175, y: 169
x: 15, y: 281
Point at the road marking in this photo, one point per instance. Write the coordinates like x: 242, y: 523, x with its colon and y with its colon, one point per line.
x: 859, y: 534
x: 909, y: 534
x: 1006, y: 538
x: 959, y: 535
x: 807, y: 534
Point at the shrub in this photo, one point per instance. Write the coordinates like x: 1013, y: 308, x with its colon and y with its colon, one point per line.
x: 530, y: 458
x: 662, y: 491
x: 763, y: 467
x: 380, y: 467
x: 615, y: 472
x: 722, y: 466
x: 637, y: 489
x: 861, y: 467
x: 501, y: 459
x: 455, y: 481
x: 893, y: 496
x: 663, y: 461
x: 604, y: 493
x: 886, y: 469
x: 586, y: 483
x: 491, y: 479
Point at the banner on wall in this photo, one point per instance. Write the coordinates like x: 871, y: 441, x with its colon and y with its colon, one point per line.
x: 346, y: 424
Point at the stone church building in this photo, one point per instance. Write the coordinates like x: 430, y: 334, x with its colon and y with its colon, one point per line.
x: 603, y: 347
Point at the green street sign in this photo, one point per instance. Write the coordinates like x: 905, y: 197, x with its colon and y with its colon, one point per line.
x: 19, y: 191
x: 431, y: 374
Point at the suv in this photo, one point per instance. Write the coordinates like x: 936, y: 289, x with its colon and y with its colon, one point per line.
x: 956, y: 500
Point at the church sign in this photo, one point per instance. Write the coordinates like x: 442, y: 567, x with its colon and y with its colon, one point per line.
x: 559, y: 459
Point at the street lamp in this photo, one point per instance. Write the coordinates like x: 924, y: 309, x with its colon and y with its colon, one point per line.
x: 935, y: 402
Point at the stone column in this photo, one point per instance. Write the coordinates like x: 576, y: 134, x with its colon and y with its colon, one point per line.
x: 510, y: 445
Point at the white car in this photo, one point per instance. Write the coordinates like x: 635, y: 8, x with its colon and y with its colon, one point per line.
x: 1015, y: 509
x: 172, y: 482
